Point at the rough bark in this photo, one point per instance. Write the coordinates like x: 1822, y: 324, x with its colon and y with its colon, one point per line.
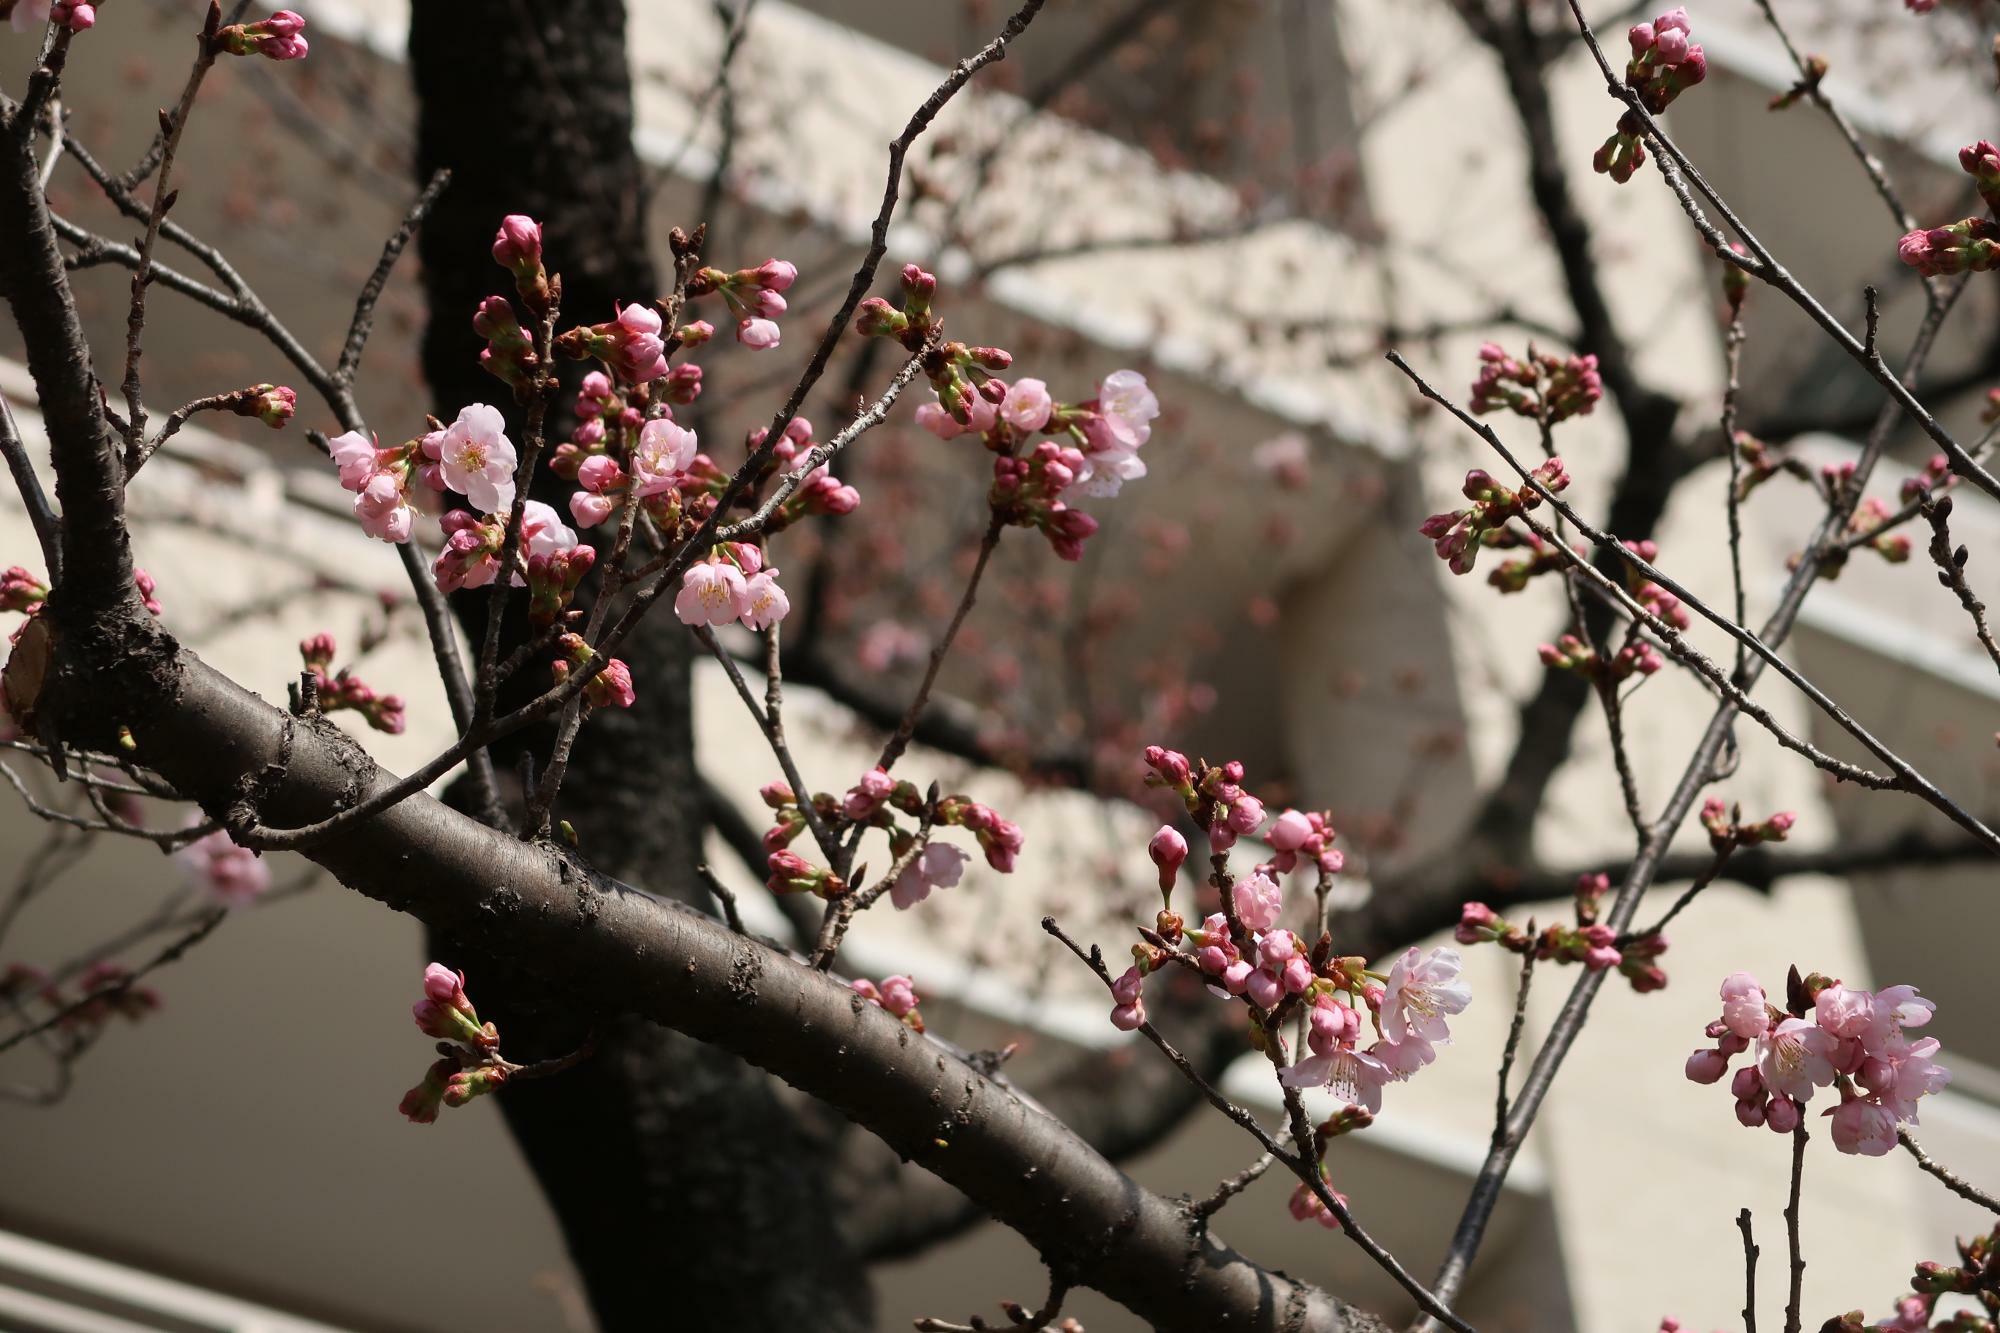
x: 659, y: 1150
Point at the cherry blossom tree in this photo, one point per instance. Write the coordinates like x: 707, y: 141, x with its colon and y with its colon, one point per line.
x: 571, y: 511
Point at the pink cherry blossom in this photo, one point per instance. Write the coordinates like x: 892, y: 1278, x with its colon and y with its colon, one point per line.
x: 354, y: 455
x: 764, y: 601
x: 384, y: 509
x: 1795, y: 1057
x: 1422, y: 992
x: 1743, y: 1005
x: 711, y: 593
x: 938, y: 866
x: 1257, y: 898
x: 1355, y: 1077
x: 664, y: 452
x: 478, y: 458
x: 899, y: 995
x: 933, y: 418
x: 589, y: 508
x: 1863, y: 1127
x: 1027, y: 406
x: 235, y: 876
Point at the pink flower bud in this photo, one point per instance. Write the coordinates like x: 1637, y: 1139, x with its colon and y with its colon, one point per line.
x: 1707, y: 1066
x: 759, y: 335
x: 1169, y: 851
x: 518, y: 244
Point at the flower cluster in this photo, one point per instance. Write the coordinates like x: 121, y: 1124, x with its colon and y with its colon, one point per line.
x: 279, y: 37
x: 754, y: 296
x: 896, y: 994
x: 733, y: 584
x: 1459, y: 533
x: 1090, y: 448
x: 1588, y: 941
x: 1665, y: 63
x: 474, y: 544
x: 74, y: 15
x: 610, y: 688
x: 1827, y: 1035
x: 1726, y: 829
x: 20, y: 591
x: 1635, y: 657
x: 103, y: 991
x: 471, y: 1065
x: 1540, y: 387
x: 1970, y: 245
x: 342, y: 689
x: 234, y: 876
x: 1242, y: 953
x: 921, y: 864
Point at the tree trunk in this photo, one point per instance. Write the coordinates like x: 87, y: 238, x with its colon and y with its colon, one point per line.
x: 690, y: 1194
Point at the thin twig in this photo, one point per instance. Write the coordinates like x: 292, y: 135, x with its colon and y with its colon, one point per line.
x: 1951, y: 1181
x: 1799, y: 1138
x: 1513, y: 1045
x: 170, y: 954
x: 1750, y: 1253
x: 48, y: 528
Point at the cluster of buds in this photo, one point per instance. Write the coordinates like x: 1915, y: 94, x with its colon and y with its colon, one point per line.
x: 343, y: 689
x: 1588, y: 942
x: 1542, y: 557
x: 1937, y: 474
x: 1663, y: 605
x: 1540, y: 387
x: 1976, y: 1277
x: 1665, y: 63
x: 474, y: 544
x: 629, y: 346
x: 1970, y: 245
x: 658, y: 462
x: 272, y: 404
x: 818, y: 492
x: 1760, y: 462
x: 105, y: 991
x: 1827, y: 1035
x: 1459, y: 533
x: 471, y: 1065
x: 754, y: 296
x: 1213, y: 795
x: 1242, y: 954
x: 609, y: 688
x: 1025, y: 494
x: 279, y: 37
x: 896, y: 994
x: 1636, y: 657
x: 1727, y: 831
x: 733, y: 584
x: 553, y: 579
x: 21, y: 592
